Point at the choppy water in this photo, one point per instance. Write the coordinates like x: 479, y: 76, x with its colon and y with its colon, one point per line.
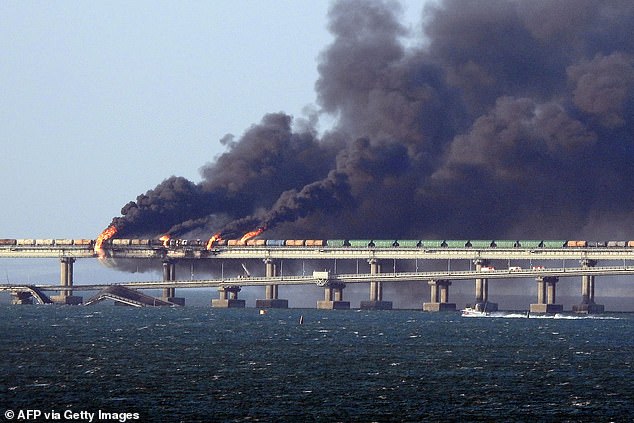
x: 202, y: 364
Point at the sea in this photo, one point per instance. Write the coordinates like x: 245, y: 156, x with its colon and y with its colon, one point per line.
x: 199, y: 364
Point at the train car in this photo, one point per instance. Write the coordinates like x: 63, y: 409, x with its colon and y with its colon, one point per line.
x: 45, y: 242
x: 433, y: 243
x: 141, y: 242
x: 315, y: 243
x: 256, y: 242
x: 456, y: 243
x: 84, y: 242
x: 121, y: 241
x: 235, y: 243
x: 294, y: 242
x: 275, y: 242
x: 407, y: 243
x: 8, y: 241
x: 479, y: 243
x: 192, y: 242
x: 359, y: 243
x: 63, y: 242
x: 529, y: 243
x: 505, y: 244
x: 553, y: 244
x: 382, y: 243
x: 630, y: 244
x: 575, y: 244
x: 218, y: 243
x: 337, y: 243
x: 617, y: 244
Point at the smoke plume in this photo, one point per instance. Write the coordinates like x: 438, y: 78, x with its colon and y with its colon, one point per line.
x: 496, y: 119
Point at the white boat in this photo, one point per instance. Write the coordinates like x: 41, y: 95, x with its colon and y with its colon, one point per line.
x: 479, y: 310
x: 472, y: 312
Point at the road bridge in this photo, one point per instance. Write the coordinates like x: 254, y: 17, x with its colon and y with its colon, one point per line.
x: 327, y: 280
x: 439, y: 282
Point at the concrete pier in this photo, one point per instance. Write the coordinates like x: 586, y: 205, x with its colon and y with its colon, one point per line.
x: 439, y: 294
x: 333, y: 297
x: 271, y: 299
x: 376, y: 291
x: 546, y: 296
x: 169, y: 274
x: 66, y: 280
x: 228, y: 298
x: 588, y: 305
x: 482, y: 288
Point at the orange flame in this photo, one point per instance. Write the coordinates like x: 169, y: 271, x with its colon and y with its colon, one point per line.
x: 166, y: 239
x: 251, y: 234
x: 213, y: 239
x: 108, y: 233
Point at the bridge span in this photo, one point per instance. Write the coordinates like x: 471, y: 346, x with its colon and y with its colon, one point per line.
x: 376, y: 257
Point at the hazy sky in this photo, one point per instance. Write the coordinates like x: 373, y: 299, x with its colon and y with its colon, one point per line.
x: 101, y: 101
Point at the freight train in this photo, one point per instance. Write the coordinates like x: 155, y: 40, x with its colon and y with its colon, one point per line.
x: 321, y: 243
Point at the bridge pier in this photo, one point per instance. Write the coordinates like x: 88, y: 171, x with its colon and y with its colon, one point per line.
x: 376, y: 291
x: 228, y: 297
x: 546, y: 296
x: 439, y: 300
x: 169, y: 274
x: 588, y: 305
x: 66, y: 280
x: 333, y: 297
x: 482, y: 289
x: 271, y: 299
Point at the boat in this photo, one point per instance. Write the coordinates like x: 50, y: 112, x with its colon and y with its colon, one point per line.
x: 479, y: 310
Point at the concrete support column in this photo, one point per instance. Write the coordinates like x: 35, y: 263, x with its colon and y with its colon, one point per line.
x: 228, y: 297
x: 546, y: 296
x: 376, y: 290
x: 444, y: 291
x: 482, y: 288
x: 271, y: 292
x: 333, y: 297
x: 66, y: 281
x: 169, y: 275
x: 541, y: 291
x: 585, y: 289
x: 66, y: 275
x: 337, y: 294
x: 439, y: 296
x: 588, y: 306
x: 551, y: 291
x: 434, y: 297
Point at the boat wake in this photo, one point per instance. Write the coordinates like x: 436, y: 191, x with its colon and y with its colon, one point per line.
x: 527, y: 315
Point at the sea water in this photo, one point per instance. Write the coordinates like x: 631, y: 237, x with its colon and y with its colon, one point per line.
x: 202, y: 364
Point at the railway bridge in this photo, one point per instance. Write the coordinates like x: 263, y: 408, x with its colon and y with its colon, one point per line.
x: 587, y: 264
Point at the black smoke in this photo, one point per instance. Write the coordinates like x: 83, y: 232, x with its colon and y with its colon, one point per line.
x: 496, y: 119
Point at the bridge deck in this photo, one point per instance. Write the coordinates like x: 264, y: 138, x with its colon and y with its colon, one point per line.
x: 400, y: 253
x: 397, y: 277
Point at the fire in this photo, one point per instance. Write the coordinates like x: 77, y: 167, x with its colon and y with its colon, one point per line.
x: 165, y: 239
x: 251, y: 234
x: 108, y: 233
x: 213, y: 239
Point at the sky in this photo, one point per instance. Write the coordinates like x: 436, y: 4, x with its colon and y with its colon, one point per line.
x: 103, y: 102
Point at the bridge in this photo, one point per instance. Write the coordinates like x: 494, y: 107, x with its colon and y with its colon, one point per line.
x: 585, y: 260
